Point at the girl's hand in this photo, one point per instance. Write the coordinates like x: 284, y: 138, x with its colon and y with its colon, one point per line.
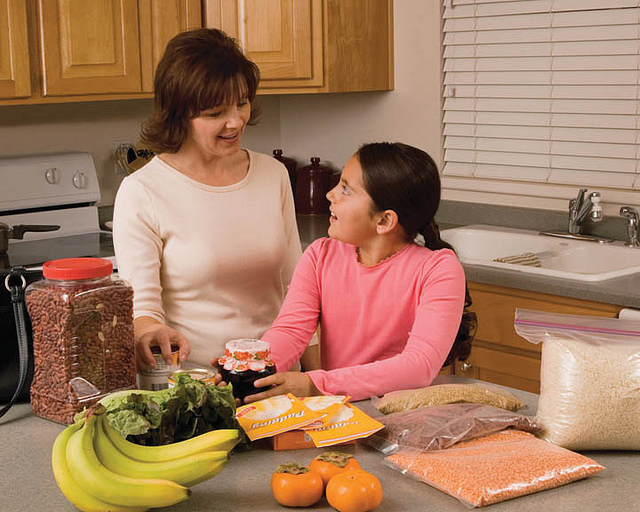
x: 148, y: 333
x: 296, y: 383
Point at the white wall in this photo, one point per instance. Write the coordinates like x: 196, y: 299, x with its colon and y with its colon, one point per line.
x: 94, y: 127
x: 91, y: 127
x: 333, y: 126
x: 329, y: 126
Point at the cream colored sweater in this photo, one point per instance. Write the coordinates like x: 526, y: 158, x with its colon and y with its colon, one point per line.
x: 212, y: 262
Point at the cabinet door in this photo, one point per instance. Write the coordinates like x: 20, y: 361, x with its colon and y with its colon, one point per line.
x: 89, y: 47
x: 283, y: 37
x: 160, y: 20
x: 15, y: 78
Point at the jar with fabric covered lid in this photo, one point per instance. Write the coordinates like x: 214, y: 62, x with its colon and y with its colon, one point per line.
x: 244, y: 362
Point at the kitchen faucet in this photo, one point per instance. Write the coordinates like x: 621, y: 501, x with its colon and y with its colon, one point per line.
x: 579, y: 208
x: 632, y: 226
x: 582, y: 206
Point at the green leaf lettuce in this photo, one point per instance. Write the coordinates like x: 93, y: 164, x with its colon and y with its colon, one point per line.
x: 188, y: 409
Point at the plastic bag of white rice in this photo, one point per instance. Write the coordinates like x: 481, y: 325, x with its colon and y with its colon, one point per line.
x: 589, y: 379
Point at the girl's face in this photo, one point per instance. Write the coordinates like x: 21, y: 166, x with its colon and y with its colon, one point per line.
x: 216, y: 132
x: 351, y: 219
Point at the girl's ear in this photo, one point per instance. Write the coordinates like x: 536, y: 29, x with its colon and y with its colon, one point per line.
x: 387, y: 222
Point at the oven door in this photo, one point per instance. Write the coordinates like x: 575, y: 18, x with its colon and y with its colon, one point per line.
x: 9, y: 356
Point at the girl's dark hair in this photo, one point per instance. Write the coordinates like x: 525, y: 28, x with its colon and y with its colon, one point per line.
x: 200, y: 69
x: 405, y: 179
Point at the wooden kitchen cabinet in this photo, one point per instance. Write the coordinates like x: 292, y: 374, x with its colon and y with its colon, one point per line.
x: 15, y: 75
x: 86, y: 51
x: 311, y: 46
x: 499, y: 355
x: 89, y: 47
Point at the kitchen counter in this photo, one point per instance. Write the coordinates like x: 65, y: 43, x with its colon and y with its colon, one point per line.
x: 28, y: 484
x: 622, y: 291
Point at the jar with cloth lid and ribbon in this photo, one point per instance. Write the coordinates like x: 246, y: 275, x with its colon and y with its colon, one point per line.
x: 244, y: 362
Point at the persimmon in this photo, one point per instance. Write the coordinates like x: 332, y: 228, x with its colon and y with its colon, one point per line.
x: 294, y: 485
x: 329, y: 464
x: 354, y: 490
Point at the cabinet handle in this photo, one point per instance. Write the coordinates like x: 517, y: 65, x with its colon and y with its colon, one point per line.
x: 465, y: 367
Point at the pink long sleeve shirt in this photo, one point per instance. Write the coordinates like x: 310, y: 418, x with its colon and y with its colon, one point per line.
x: 386, y: 327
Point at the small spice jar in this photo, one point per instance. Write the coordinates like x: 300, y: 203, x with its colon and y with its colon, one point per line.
x: 83, y: 345
x: 244, y: 362
x: 154, y: 378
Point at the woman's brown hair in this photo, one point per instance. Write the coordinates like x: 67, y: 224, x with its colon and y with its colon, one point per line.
x: 405, y: 179
x: 200, y: 69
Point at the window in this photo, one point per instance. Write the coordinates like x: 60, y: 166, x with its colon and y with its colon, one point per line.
x: 541, y: 97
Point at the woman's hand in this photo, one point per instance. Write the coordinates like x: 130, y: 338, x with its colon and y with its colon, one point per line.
x: 150, y: 332
x: 296, y: 383
x: 218, y: 376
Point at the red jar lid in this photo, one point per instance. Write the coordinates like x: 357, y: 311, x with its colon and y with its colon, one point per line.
x: 77, y: 268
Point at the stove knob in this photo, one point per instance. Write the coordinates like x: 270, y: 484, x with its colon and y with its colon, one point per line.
x: 52, y: 175
x: 79, y: 180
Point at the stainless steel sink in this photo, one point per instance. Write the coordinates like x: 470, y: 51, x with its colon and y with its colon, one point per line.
x: 567, y: 258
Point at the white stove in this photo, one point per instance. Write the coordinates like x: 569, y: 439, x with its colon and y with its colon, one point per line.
x: 57, y: 189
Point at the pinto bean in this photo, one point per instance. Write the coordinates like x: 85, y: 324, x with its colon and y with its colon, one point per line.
x: 83, y: 344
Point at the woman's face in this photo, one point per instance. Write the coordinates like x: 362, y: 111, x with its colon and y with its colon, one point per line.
x: 217, y: 131
x: 351, y: 220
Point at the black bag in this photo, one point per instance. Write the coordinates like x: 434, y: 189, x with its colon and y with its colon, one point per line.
x: 16, y: 344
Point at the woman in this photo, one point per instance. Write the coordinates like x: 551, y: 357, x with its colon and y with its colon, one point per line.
x: 206, y: 231
x: 391, y: 311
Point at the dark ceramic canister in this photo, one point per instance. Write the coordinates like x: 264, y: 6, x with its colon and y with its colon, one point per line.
x: 314, y: 181
x: 291, y: 166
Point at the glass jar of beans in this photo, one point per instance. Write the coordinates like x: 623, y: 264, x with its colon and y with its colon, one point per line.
x: 83, y: 345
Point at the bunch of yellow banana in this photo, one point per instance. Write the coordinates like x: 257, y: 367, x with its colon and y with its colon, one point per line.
x: 98, y: 470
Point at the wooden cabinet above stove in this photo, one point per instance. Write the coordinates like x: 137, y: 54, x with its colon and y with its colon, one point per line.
x: 54, y: 51
x: 15, y: 78
x: 86, y: 51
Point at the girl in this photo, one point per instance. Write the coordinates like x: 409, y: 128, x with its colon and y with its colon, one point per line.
x: 390, y: 310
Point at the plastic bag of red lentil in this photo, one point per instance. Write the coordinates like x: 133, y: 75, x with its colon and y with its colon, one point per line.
x: 495, y: 468
x: 439, y: 427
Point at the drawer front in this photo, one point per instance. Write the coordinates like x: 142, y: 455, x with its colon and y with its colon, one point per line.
x: 446, y: 370
x: 495, y: 307
x: 513, y: 370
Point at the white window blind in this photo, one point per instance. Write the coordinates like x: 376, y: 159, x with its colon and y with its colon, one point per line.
x: 541, y: 97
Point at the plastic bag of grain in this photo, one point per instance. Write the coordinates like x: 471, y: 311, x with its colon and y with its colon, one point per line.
x: 495, y: 468
x: 441, y: 394
x: 589, y: 379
